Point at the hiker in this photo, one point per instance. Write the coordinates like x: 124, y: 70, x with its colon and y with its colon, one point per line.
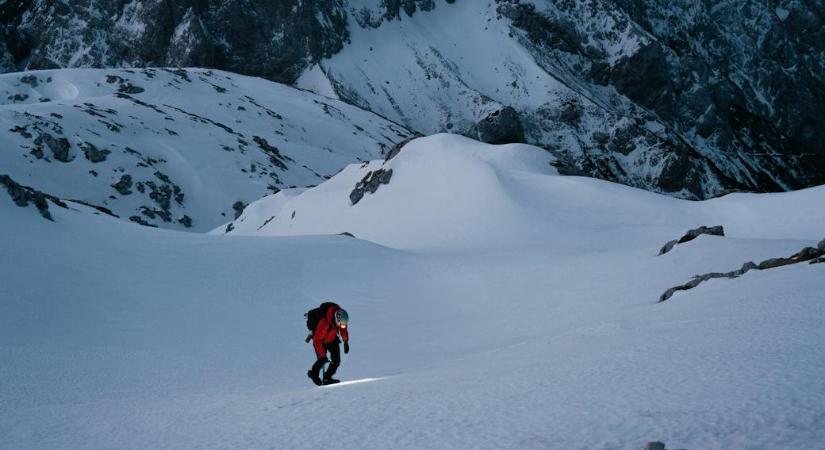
x: 327, y: 323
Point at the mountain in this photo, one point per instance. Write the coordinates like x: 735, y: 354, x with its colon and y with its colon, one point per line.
x: 493, y: 303
x: 176, y: 148
x: 691, y: 100
x: 610, y: 87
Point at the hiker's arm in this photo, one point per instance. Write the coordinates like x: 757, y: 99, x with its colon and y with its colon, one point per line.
x: 345, y: 334
x: 318, y: 339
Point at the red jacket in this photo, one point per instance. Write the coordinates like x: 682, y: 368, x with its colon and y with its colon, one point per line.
x: 326, y: 332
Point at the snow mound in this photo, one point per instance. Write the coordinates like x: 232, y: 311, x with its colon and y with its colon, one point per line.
x: 447, y: 191
x: 439, y: 190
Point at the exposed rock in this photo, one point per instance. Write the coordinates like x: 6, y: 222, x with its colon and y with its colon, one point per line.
x: 501, y: 127
x: 98, y: 208
x: 748, y: 266
x: 141, y: 221
x: 31, y: 80
x: 189, y: 45
x: 806, y: 254
x: 185, y: 221
x: 59, y: 146
x: 22, y: 131
x: 23, y: 195
x: 397, y: 148
x: 128, y: 88
x: 655, y: 446
x: 93, y: 154
x: 717, y: 230
x: 821, y: 245
x: 275, y: 155
x: 162, y: 195
x: 370, y: 184
x: 668, y: 247
x: 124, y: 185
x: 238, y: 206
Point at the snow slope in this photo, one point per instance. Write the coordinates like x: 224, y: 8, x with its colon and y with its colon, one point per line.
x: 191, y: 142
x: 114, y: 335
x: 448, y: 192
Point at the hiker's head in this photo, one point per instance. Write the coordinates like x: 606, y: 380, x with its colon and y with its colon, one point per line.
x: 341, y: 318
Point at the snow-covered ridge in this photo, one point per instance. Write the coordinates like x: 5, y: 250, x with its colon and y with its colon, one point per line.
x: 176, y: 148
x: 450, y: 192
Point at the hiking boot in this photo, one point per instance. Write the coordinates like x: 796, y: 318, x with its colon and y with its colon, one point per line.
x: 314, y: 377
x: 330, y: 381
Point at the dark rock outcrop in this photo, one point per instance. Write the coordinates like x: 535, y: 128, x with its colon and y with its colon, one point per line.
x: 23, y: 195
x: 274, y: 154
x: 717, y: 230
x: 501, y: 127
x: 729, y: 110
x: 59, y: 146
x: 185, y: 221
x: 370, y: 184
x: 273, y: 39
x: 94, y: 154
x: 124, y: 185
x: 238, y: 207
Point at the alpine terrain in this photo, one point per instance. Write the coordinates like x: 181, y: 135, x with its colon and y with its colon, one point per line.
x: 546, y: 224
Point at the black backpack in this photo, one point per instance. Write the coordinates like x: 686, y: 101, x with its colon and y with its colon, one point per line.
x: 313, y: 316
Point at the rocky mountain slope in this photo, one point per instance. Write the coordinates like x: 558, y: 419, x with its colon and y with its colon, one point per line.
x: 176, y: 148
x: 726, y: 99
x: 690, y: 99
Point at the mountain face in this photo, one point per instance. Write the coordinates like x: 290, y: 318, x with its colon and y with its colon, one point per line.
x: 611, y: 88
x: 185, y: 149
x: 273, y: 39
x: 685, y: 98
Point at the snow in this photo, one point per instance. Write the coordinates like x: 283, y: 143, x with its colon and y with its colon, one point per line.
x: 315, y: 80
x: 198, y: 129
x: 480, y: 332
x: 449, y: 191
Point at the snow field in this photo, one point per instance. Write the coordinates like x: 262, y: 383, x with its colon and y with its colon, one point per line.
x: 479, y: 330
